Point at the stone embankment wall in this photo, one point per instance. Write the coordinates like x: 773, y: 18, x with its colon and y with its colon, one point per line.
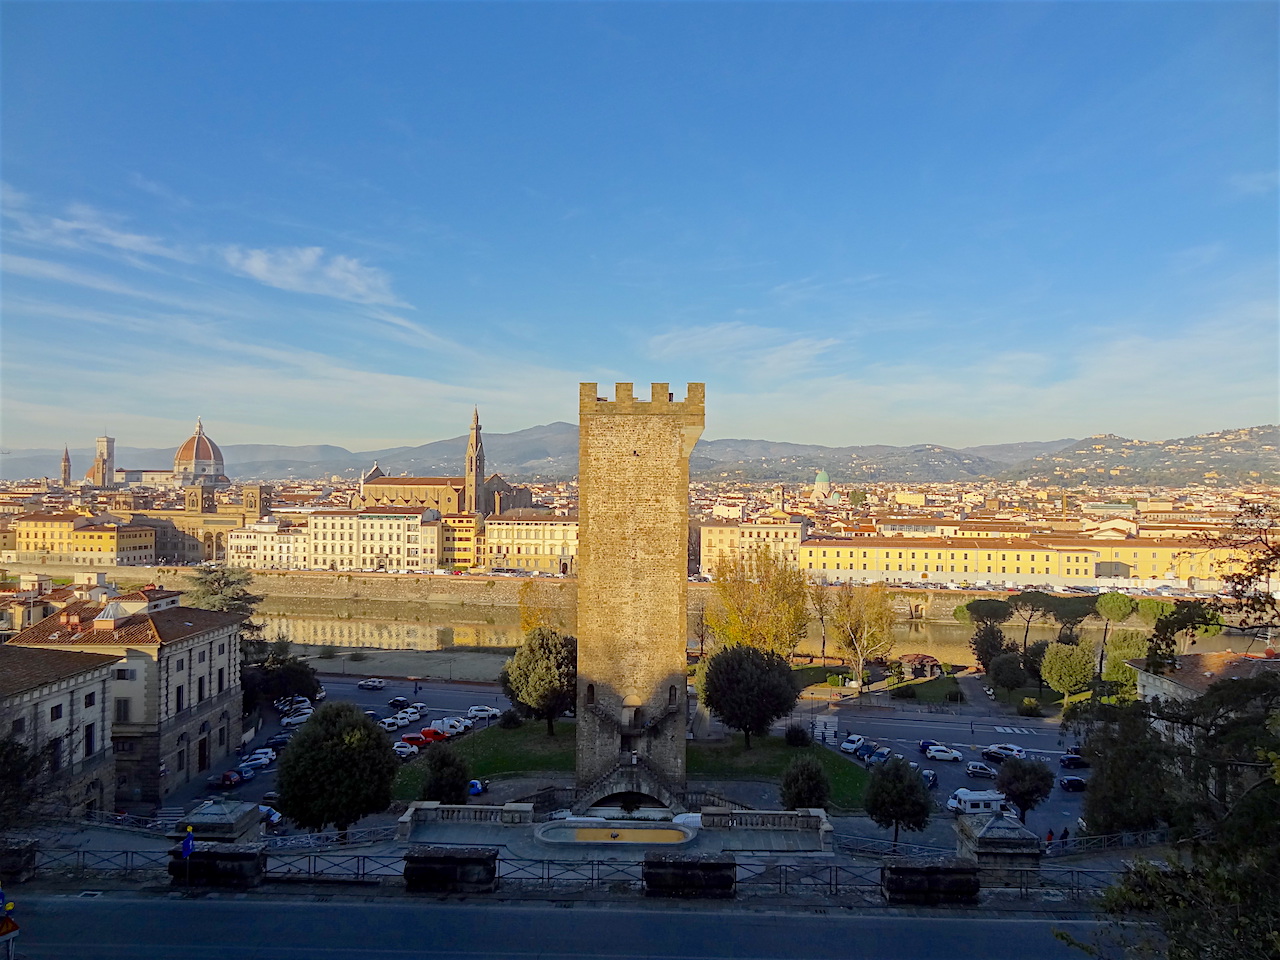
x: 376, y: 595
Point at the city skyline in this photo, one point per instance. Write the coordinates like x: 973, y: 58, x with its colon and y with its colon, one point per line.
x: 858, y: 224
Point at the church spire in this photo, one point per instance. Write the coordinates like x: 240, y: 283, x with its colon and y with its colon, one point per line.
x: 66, y: 467
x: 473, y: 493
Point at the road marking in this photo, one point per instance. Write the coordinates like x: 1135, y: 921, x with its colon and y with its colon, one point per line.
x: 1023, y: 731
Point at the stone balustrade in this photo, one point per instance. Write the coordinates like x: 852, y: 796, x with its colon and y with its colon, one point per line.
x: 433, y: 811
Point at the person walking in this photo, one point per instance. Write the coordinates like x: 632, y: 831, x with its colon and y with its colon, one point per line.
x: 1062, y: 839
x: 1048, y: 843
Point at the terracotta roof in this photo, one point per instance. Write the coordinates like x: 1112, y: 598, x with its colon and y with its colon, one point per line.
x: 24, y: 669
x: 417, y: 482
x: 141, y: 629
x: 1199, y: 671
x: 197, y: 447
x: 149, y: 594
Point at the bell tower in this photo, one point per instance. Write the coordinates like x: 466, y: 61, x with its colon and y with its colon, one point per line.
x: 473, y: 498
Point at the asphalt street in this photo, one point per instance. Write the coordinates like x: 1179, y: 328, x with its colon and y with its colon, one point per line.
x: 114, y: 926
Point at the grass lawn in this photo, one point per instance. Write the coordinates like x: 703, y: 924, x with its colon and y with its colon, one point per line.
x: 768, y: 759
x: 494, y: 752
x: 808, y: 676
x: 933, y: 690
x: 1050, y: 700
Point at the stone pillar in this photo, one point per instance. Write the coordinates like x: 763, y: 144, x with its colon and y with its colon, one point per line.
x: 1007, y: 853
x: 213, y: 864
x: 433, y: 869
x: 690, y: 876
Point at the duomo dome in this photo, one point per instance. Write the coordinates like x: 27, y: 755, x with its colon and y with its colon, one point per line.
x: 199, y: 461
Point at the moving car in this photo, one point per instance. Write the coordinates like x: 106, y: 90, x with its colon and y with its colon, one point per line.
x: 1073, y: 761
x: 980, y: 770
x: 372, y: 683
x: 852, y: 743
x: 999, y: 752
x: 1074, y: 784
x: 483, y: 713
x: 940, y: 752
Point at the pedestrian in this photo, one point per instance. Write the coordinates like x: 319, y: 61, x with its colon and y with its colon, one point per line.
x: 1066, y: 834
x: 1048, y: 842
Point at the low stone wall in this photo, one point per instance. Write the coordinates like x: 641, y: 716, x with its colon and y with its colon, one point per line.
x: 18, y: 860
x: 433, y: 811
x: 431, y: 869
x: 724, y: 818
x: 930, y: 883
x: 212, y: 864
x: 686, y: 876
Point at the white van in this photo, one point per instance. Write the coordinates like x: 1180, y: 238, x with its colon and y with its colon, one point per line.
x: 978, y: 801
x: 449, y: 726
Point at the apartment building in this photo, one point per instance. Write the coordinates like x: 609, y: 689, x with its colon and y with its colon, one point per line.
x: 781, y: 535
x: 540, y: 542
x: 270, y: 544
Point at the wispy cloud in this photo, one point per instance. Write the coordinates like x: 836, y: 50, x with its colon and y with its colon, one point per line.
x: 85, y: 228
x: 750, y: 349
x: 1254, y: 184
x: 309, y: 270
x: 172, y: 197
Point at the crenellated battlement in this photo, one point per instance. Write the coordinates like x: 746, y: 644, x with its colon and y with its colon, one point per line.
x: 661, y: 401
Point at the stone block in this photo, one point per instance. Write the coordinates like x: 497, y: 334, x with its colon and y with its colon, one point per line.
x: 436, y: 869
x: 690, y: 876
x: 930, y: 883
x: 213, y: 864
x: 18, y: 860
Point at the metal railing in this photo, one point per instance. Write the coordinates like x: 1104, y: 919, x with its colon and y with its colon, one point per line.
x: 806, y: 879
x: 877, y: 847
x: 121, y: 862
x: 1084, y: 843
x: 100, y: 818
x: 569, y: 874
x: 331, y: 866
x: 331, y: 838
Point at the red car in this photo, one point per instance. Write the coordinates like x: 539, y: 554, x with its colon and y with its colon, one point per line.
x: 415, y: 740
x: 225, y: 781
x: 433, y: 736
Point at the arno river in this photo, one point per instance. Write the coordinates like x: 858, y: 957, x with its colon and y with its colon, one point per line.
x: 449, y: 628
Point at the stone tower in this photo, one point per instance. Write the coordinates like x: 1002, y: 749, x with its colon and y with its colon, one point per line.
x: 473, y: 495
x: 103, y: 472
x: 633, y: 519
x: 66, y: 468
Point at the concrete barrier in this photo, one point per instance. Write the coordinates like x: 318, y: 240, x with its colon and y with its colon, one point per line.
x: 433, y: 869
x: 215, y: 864
x: 931, y: 882
x: 687, y: 876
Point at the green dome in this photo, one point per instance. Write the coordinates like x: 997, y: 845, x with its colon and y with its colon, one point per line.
x: 822, y: 477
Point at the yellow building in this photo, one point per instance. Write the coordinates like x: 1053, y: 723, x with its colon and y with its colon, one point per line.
x: 69, y: 537
x: 946, y: 560
x: 542, y: 542
x: 460, y: 540
x: 732, y: 541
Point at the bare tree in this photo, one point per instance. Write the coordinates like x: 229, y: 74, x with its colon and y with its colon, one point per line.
x: 821, y: 601
x: 863, y: 620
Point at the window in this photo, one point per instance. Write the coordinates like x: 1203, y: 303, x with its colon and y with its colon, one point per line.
x: 178, y: 697
x: 89, y: 699
x: 19, y: 726
x: 55, y: 754
x: 199, y: 689
x: 55, y: 712
x: 122, y: 709
x: 200, y: 657
x: 181, y: 762
x: 126, y: 674
x: 124, y: 746
x: 90, y: 740
x: 221, y: 679
x: 180, y: 665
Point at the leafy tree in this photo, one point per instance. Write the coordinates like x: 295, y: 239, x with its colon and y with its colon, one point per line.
x: 821, y: 601
x: 1006, y: 671
x: 762, y: 601
x: 1067, y: 668
x: 1113, y: 607
x: 448, y: 779
x: 1131, y: 784
x: 1031, y: 606
x: 805, y: 784
x: 748, y: 689
x: 25, y: 783
x: 543, y: 674
x: 989, y: 611
x: 1151, y: 609
x: 863, y: 622
x: 1124, y: 645
x: 1033, y: 659
x: 537, y: 602
x: 1027, y: 784
x: 897, y: 797
x: 274, y: 678
x: 337, y: 769
x: 797, y: 735
x: 226, y: 589
x: 961, y: 614
x: 987, y: 643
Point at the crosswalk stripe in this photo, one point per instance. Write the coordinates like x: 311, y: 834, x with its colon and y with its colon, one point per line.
x: 1020, y: 730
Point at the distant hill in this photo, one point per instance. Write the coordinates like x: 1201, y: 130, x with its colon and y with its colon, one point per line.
x: 551, y: 452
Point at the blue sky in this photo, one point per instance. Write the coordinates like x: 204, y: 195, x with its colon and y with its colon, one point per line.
x: 858, y: 223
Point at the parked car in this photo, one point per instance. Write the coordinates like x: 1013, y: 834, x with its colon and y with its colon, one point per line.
x: 373, y: 714
x: 465, y: 722
x: 391, y: 724
x: 415, y: 740
x: 930, y: 779
x: 433, y: 736
x: 980, y: 770
x: 246, y: 772
x: 398, y: 703
x: 255, y: 761
x: 880, y: 756
x: 372, y: 683
x: 852, y: 743
x: 225, y: 780
x: 864, y: 751
x: 404, y: 750
x: 409, y: 715
x: 271, y: 798
x: 939, y: 752
x: 295, y: 719
x: 321, y: 693
x: 1074, y: 784
x: 279, y: 740
x: 1073, y: 761
x: 999, y: 752
x: 926, y: 744
x: 267, y: 752
x: 483, y: 713
x: 419, y: 706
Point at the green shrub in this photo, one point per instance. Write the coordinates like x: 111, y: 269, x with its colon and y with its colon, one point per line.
x: 805, y: 784
x: 359, y: 655
x: 797, y: 736
x: 510, y: 719
x: 835, y: 680
x: 903, y: 693
x: 1030, y: 707
x: 328, y: 652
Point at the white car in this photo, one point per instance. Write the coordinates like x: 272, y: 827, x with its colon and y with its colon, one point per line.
x: 419, y: 706
x: 392, y: 724
x: 255, y: 761
x: 1004, y: 751
x: 465, y: 722
x: 295, y: 719
x: 372, y: 683
x: 264, y: 752
x: 852, y: 743
x: 943, y: 753
x: 483, y: 713
x: 404, y: 750
x: 409, y: 715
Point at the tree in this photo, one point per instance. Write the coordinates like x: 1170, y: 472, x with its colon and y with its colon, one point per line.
x: 25, y: 782
x: 989, y: 611
x: 1067, y: 667
x: 1006, y: 671
x: 1125, y: 645
x: 277, y: 677
x: 987, y: 643
x: 543, y: 674
x: 1027, y: 784
x: 863, y: 621
x: 337, y: 769
x: 538, y: 606
x: 897, y: 797
x: 1070, y: 612
x: 961, y: 614
x: 748, y: 689
x: 226, y: 589
x: 1028, y: 607
x: 448, y: 780
x: 1033, y: 660
x: 805, y: 784
x: 1113, y: 607
x: 820, y: 600
x: 1131, y: 784
x: 762, y: 601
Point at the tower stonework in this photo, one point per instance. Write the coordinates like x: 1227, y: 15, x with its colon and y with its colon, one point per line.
x: 633, y: 517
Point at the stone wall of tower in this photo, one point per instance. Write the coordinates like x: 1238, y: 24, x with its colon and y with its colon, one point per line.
x: 633, y: 514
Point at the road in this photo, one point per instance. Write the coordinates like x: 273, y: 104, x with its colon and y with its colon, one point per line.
x: 140, y: 928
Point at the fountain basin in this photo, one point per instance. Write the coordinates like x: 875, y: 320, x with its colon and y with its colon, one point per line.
x: 614, y: 831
